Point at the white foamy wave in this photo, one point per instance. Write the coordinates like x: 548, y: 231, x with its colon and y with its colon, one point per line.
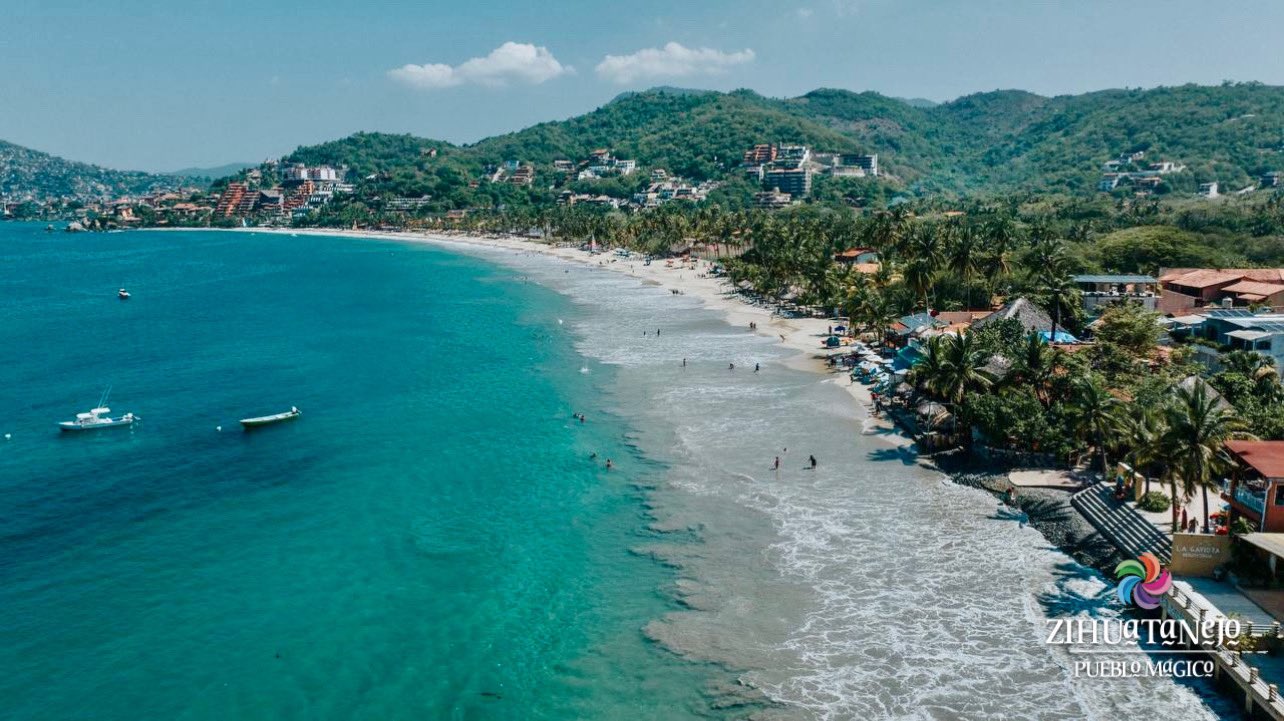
x: 866, y: 588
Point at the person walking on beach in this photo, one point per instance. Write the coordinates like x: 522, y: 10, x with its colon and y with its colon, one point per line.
x: 813, y: 462
x: 684, y: 362
x: 731, y: 366
x: 756, y: 367
x: 777, y: 466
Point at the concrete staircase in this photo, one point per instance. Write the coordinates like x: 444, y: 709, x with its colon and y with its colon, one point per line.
x: 1119, y: 523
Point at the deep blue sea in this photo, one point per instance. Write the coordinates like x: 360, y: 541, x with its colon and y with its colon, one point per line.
x: 429, y: 541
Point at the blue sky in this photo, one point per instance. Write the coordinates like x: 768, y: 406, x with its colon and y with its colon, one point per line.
x: 159, y: 86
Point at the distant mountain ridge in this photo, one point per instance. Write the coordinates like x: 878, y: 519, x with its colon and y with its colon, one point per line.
x: 998, y: 141
x: 27, y: 173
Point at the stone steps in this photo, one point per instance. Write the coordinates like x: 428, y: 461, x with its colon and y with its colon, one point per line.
x: 1118, y: 522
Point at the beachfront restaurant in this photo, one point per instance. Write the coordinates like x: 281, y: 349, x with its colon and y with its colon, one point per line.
x: 1255, y: 489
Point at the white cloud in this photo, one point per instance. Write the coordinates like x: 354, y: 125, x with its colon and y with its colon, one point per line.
x: 509, y: 63
x: 673, y: 60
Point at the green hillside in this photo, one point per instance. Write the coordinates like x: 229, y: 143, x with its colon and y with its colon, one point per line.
x: 986, y: 143
x: 30, y: 173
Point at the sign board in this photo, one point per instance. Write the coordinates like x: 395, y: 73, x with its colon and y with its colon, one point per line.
x: 1197, y: 554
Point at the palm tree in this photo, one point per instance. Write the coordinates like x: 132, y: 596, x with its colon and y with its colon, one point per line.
x: 1057, y: 292
x: 1198, y: 427
x: 964, y: 258
x: 1145, y: 431
x: 1097, y: 415
x: 1258, y: 368
x: 1037, y: 362
x: 952, y: 365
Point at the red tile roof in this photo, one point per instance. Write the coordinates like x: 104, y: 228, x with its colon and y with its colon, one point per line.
x: 1204, y: 277
x: 1265, y: 457
x: 1256, y: 287
x: 1201, y: 278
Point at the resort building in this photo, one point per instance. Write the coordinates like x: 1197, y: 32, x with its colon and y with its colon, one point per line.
x: 867, y: 163
x: 760, y: 155
x: 1233, y: 329
x: 230, y: 199
x: 299, y: 172
x: 524, y: 175
x: 1256, y: 487
x: 772, y: 199
x: 1208, y: 190
x: 1100, y: 291
x: 796, y: 182
x: 1184, y: 289
x: 792, y: 156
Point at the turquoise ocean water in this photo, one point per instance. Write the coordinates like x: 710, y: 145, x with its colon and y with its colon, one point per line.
x: 430, y: 540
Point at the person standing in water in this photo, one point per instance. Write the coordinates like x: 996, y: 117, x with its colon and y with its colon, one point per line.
x: 731, y: 366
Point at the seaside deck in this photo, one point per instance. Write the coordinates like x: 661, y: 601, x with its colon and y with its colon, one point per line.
x: 1255, y: 676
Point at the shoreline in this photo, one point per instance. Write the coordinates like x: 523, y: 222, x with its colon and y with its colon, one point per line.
x: 1046, y: 510
x: 802, y: 335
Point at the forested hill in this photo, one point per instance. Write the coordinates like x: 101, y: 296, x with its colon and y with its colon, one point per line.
x: 999, y: 141
x: 31, y: 173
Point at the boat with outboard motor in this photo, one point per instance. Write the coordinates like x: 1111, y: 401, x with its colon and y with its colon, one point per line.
x: 98, y: 418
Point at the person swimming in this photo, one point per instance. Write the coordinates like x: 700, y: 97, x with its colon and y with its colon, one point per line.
x: 609, y: 464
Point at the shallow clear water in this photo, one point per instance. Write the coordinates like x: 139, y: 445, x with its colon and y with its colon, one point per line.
x: 431, y: 539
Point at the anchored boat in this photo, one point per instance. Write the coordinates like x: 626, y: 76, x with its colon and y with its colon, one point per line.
x: 269, y: 420
x: 98, y: 418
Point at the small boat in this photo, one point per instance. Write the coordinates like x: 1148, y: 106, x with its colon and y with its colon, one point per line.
x: 269, y: 420
x: 122, y: 294
x: 98, y: 418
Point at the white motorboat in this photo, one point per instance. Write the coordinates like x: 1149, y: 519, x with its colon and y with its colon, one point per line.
x: 98, y: 418
x: 269, y: 420
x: 123, y: 294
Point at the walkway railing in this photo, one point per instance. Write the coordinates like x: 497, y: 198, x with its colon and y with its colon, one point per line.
x: 1258, y: 694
